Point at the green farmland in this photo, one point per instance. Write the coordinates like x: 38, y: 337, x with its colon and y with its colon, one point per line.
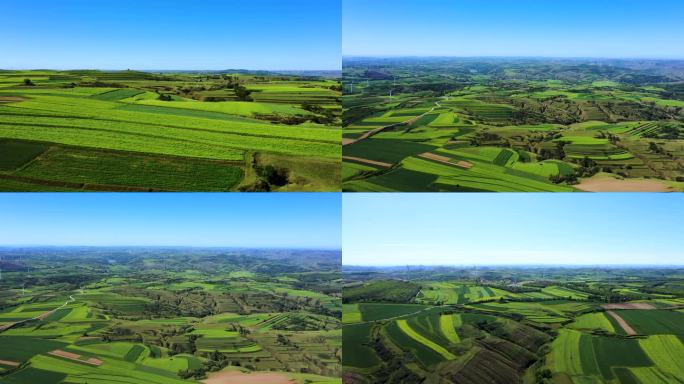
x: 559, y: 326
x: 142, y: 131
x: 467, y: 125
x: 141, y: 316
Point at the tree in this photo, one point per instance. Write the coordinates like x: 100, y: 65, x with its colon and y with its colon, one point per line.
x: 28, y: 83
x: 242, y: 93
x: 273, y: 175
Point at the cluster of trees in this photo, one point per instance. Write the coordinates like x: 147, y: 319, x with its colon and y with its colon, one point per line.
x: 195, y: 373
x: 557, y: 152
x: 543, y: 376
x: 588, y: 167
x: 326, y: 116
x: 282, y: 119
x: 269, y: 177
x: 242, y: 93
x: 321, y: 116
x: 655, y: 148
x: 484, y: 138
x: 569, y: 179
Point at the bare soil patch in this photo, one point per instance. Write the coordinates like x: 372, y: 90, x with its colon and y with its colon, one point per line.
x: 6, y: 326
x: 9, y: 363
x: 609, y: 184
x: 367, y: 161
x: 628, y: 329
x: 75, y: 357
x: 464, y: 164
x: 435, y: 157
x: 628, y: 306
x: 445, y: 160
x: 10, y: 99
x: 44, y: 315
x: 235, y: 377
x: 94, y: 361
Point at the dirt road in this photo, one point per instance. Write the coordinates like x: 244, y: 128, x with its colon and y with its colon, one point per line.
x: 367, y: 161
x: 378, y: 130
x: 628, y: 329
x: 39, y: 317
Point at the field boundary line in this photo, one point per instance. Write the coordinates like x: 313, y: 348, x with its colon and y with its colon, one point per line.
x: 395, y: 317
x: 80, y: 186
x: 39, y: 317
x: 375, y: 131
x: 367, y: 161
x: 625, y: 326
x: 158, y: 156
x: 218, y: 132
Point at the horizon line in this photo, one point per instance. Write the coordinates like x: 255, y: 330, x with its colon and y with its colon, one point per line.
x: 510, y: 265
x: 676, y: 58
x: 153, y: 70
x: 315, y: 248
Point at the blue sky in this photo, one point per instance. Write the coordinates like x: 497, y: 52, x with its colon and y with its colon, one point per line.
x: 525, y: 228
x: 292, y: 220
x: 558, y: 28
x: 170, y: 34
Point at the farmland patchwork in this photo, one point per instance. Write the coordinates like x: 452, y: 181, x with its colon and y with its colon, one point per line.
x: 140, y: 131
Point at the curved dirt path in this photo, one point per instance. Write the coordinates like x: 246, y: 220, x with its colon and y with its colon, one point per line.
x: 395, y: 317
x: 375, y: 131
x: 39, y: 317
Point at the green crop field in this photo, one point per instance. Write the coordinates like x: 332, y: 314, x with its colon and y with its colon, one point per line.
x: 141, y: 131
x: 593, y: 322
x: 512, y: 125
x: 378, y: 311
x: 653, y: 322
x: 356, y: 343
x: 536, y: 325
x: 166, y: 316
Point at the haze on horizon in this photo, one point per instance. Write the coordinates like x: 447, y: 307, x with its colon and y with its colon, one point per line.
x: 514, y: 28
x: 470, y: 229
x: 235, y: 220
x: 178, y: 35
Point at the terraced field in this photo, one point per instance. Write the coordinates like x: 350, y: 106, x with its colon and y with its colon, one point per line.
x: 76, y: 130
x: 509, y: 126
x: 552, y: 330
x: 116, y: 320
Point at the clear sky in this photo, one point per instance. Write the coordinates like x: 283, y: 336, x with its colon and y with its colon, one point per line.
x: 558, y: 28
x: 524, y: 228
x: 170, y: 34
x: 289, y: 220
